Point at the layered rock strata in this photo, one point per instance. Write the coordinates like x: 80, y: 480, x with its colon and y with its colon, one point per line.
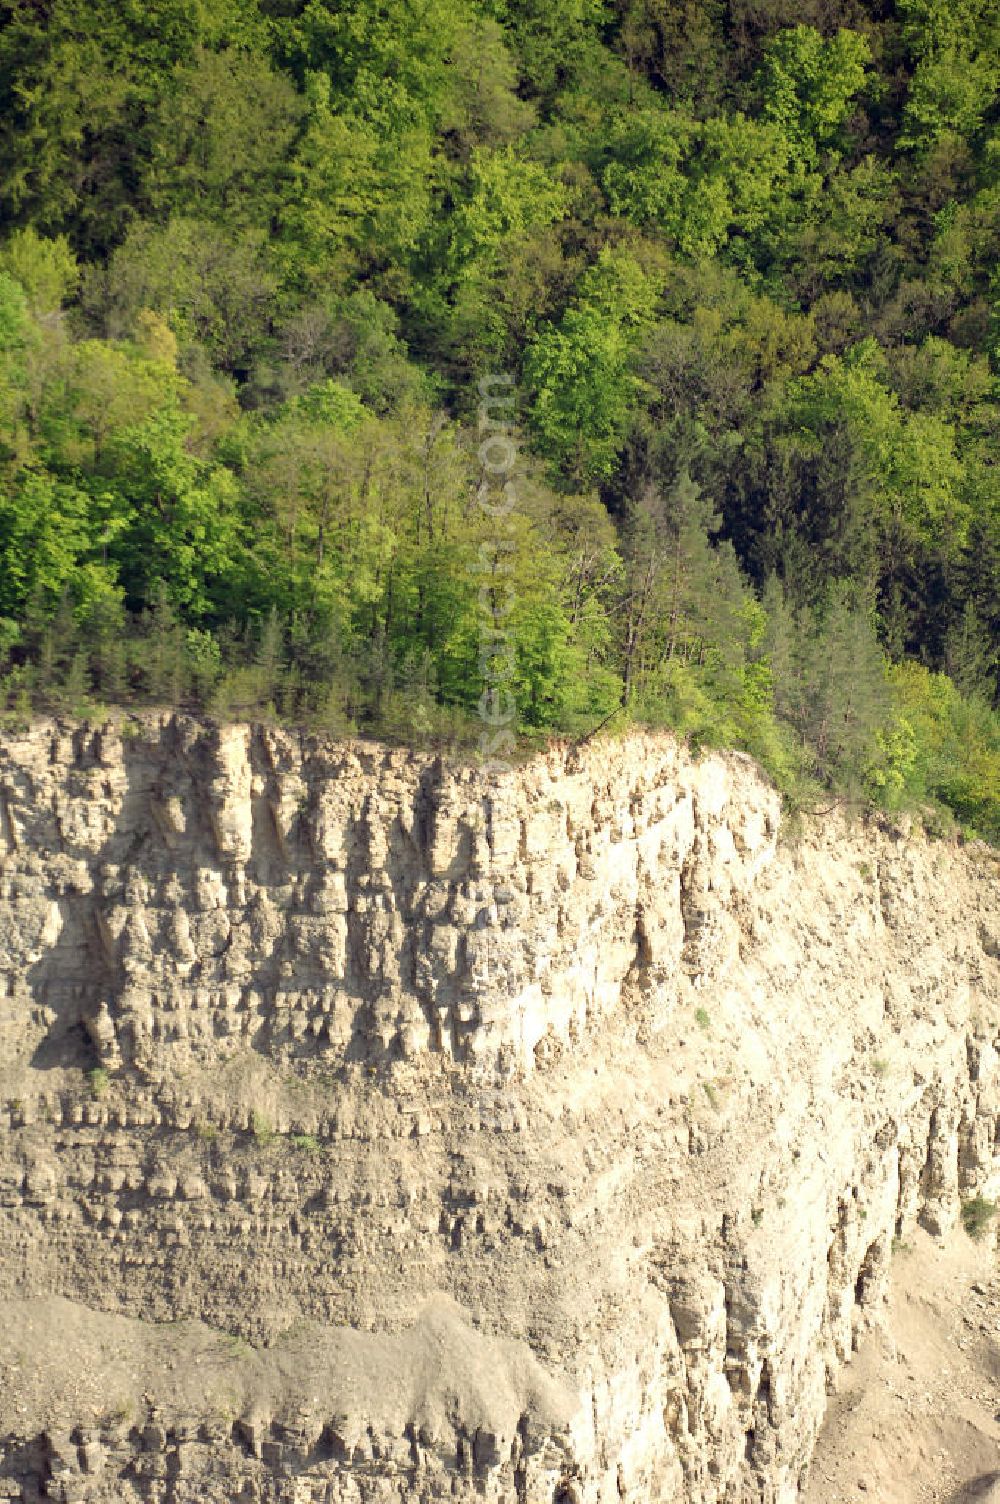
x: 372, y: 1129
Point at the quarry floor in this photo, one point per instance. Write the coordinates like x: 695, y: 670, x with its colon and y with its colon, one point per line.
x: 916, y: 1419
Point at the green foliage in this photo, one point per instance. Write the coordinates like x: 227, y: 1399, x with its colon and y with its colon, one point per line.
x: 678, y: 43
x: 76, y: 81
x: 352, y: 193
x: 47, y: 538
x: 220, y: 139
x: 954, y: 48
x: 98, y: 1083
x: 977, y: 1214
x: 644, y: 179
x: 829, y: 683
x: 861, y: 488
x: 557, y: 44
x: 46, y: 269
x: 952, y: 748
x: 214, y: 288
x: 808, y: 82
x: 582, y: 374
x: 739, y: 263
x: 499, y: 236
x: 306, y: 1143
x: 183, y: 528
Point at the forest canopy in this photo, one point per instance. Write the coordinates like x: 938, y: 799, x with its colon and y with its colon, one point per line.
x: 739, y: 262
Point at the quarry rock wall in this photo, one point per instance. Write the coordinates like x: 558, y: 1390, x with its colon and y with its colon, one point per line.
x: 375, y: 1129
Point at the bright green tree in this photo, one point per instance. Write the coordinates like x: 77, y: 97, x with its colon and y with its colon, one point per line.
x: 808, y: 83
x: 582, y: 371
x: 955, y: 48
x: 359, y: 191
x: 183, y: 525
x: 46, y: 269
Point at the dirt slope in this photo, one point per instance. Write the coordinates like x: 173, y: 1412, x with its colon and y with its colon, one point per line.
x: 916, y: 1417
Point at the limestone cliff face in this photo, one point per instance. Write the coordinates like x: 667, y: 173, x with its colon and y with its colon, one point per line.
x: 371, y: 1129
